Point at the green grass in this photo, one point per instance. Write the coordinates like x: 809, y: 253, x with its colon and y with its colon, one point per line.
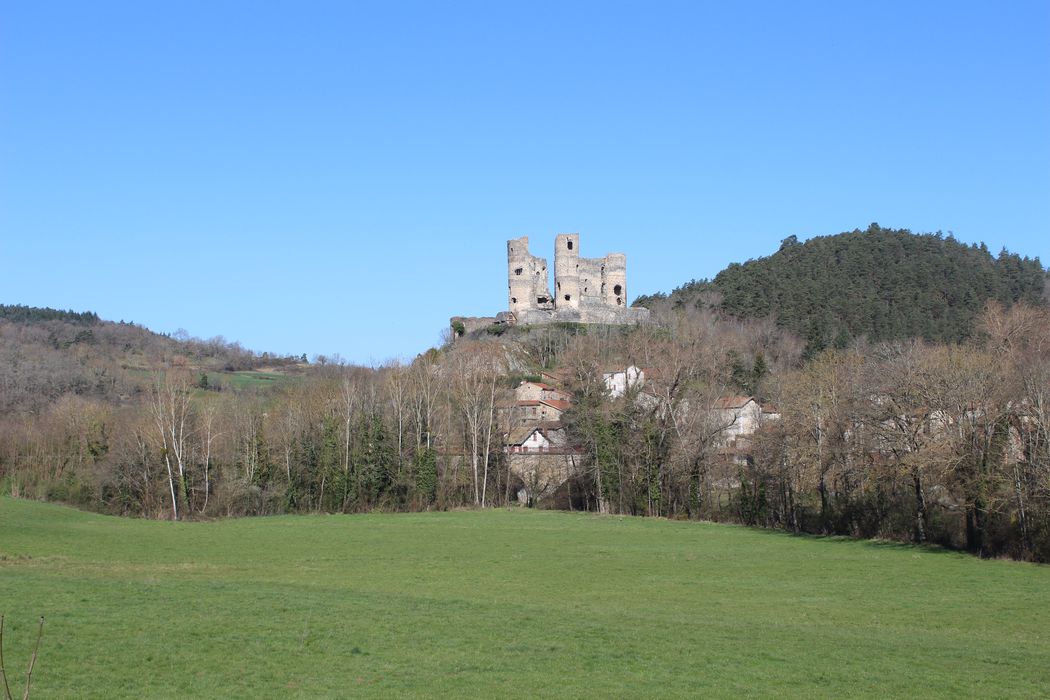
x: 250, y: 379
x: 242, y: 379
x: 505, y: 604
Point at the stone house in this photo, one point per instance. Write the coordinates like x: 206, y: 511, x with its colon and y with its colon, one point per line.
x: 538, y: 391
x: 537, y: 439
x: 541, y: 411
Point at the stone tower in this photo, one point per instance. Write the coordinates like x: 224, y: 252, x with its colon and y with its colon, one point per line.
x: 567, y: 271
x: 586, y: 290
x: 528, y: 285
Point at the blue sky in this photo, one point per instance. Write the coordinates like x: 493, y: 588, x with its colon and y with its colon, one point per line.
x: 340, y: 178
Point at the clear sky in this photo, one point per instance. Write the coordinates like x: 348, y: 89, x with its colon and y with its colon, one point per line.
x: 310, y: 177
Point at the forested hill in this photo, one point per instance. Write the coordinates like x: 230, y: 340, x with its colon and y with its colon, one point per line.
x: 879, y: 283
x: 48, y: 353
x: 29, y: 314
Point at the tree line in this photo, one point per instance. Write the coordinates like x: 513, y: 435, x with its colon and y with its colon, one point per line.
x: 903, y: 440
x: 910, y: 440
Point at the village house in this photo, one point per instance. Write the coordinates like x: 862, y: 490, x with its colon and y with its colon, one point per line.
x: 619, y: 380
x: 539, y: 391
x: 542, y: 458
x: 541, y: 411
x: 741, y: 415
x: 549, y: 438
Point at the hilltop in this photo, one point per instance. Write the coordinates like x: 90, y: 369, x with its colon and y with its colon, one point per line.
x: 47, y: 353
x: 880, y: 283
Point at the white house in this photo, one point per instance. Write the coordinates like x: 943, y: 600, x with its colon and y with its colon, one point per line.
x: 619, y: 380
x: 536, y: 439
x: 741, y: 415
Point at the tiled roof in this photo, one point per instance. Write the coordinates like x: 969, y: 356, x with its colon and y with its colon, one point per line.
x: 728, y: 402
x: 557, y: 404
x: 539, y: 384
x: 520, y: 435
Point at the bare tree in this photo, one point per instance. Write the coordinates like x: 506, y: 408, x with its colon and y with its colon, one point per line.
x: 476, y: 373
x: 170, y: 406
x: 208, y: 435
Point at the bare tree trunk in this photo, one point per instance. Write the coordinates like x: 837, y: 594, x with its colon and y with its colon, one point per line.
x: 169, y: 402
x: 920, y: 509
x: 1021, y: 515
x: 488, y: 438
x: 208, y: 421
x: 349, y: 404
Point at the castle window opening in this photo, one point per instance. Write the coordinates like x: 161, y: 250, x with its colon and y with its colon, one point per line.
x: 572, y: 298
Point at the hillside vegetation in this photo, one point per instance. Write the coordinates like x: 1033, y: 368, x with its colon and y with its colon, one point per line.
x: 882, y: 284
x: 47, y: 353
x: 505, y: 604
x: 911, y: 440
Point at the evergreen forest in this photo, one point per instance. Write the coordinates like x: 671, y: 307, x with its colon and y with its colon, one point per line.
x: 879, y: 284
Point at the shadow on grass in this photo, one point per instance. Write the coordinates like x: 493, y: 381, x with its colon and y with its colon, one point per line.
x: 879, y: 544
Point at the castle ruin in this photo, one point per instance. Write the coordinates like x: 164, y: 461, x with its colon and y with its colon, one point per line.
x: 586, y: 290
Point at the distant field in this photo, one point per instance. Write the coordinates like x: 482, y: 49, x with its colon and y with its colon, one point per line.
x: 248, y: 379
x: 505, y: 604
x: 244, y: 379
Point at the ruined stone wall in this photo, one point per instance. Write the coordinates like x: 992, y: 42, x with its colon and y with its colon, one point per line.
x: 465, y: 325
x: 587, y: 282
x: 614, y: 281
x: 542, y: 474
x: 567, y: 271
x: 586, y: 290
x: 528, y: 284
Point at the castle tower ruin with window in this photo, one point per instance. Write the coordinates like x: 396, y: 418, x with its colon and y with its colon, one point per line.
x: 586, y: 290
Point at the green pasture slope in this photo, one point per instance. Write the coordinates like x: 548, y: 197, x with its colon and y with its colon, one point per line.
x: 505, y: 604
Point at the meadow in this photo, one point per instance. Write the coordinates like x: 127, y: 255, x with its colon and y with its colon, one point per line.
x: 509, y: 603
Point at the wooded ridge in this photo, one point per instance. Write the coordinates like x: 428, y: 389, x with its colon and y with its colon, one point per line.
x: 879, y: 284
x: 881, y: 424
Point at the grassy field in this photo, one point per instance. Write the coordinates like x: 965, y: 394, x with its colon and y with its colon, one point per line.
x: 498, y: 603
x: 243, y: 379
x: 248, y: 379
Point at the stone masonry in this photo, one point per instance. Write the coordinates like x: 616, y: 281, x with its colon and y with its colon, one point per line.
x: 586, y: 290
